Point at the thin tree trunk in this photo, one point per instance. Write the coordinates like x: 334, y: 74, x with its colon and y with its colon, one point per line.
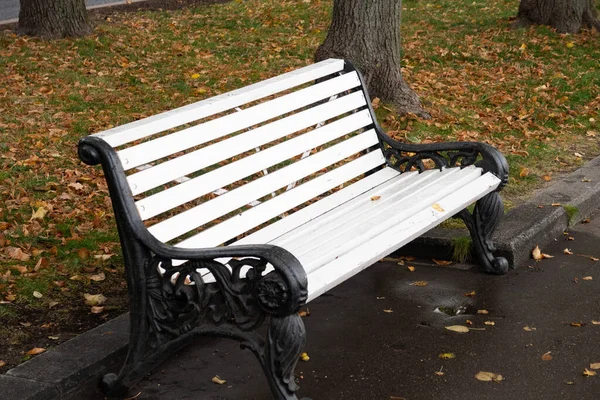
x: 566, y: 16
x: 53, y: 19
x: 368, y: 34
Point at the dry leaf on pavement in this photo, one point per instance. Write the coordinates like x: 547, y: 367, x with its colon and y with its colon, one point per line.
x: 419, y: 283
x: 94, y: 299
x: 441, y: 262
x: 36, y: 351
x: 488, y: 376
x: 547, y: 356
x: 568, y: 252
x: 595, y: 365
x: 588, y: 373
x: 217, y: 379
x: 457, y: 328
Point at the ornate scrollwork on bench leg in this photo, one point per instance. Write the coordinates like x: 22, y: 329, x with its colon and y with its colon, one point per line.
x: 179, y: 305
x: 482, y: 223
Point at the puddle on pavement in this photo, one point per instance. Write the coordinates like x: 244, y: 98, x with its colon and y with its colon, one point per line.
x: 466, y: 309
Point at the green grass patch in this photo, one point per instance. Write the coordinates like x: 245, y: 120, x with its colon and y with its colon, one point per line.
x: 461, y: 247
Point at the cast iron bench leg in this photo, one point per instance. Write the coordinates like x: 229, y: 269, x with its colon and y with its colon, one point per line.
x: 482, y: 223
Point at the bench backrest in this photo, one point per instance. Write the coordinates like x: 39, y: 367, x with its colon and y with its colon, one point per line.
x: 193, y: 168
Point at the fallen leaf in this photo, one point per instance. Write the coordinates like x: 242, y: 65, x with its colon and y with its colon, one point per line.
x: 570, y: 44
x: 83, y: 253
x: 485, y: 312
x: 544, y: 255
x: 470, y: 294
x: 536, y: 253
x: 595, y: 322
x: 388, y: 311
x: 595, y: 365
x: 40, y: 213
x: 441, y: 262
x: 36, y: 351
x: 195, y: 76
x: 587, y: 278
x: 439, y: 373
x: 375, y: 198
x: 457, y: 328
x: 2, y: 363
x: 94, y: 299
x: 588, y: 373
x: 97, y: 309
x: 217, y: 379
x: 594, y: 258
x: 419, y: 283
x: 99, y: 277
x: 569, y: 382
x: 524, y: 172
x: 547, y: 178
x: 586, y: 180
x: 437, y: 207
x: 53, y: 337
x: 488, y: 376
x: 304, y: 313
x: 304, y: 357
x: 52, y: 304
x: 578, y: 155
x: 490, y: 323
x: 529, y: 329
x: 447, y: 356
x: 567, y: 251
x: 411, y: 268
x: 555, y: 204
x: 37, y: 295
x: 17, y: 254
x: 547, y: 356
x: 577, y: 324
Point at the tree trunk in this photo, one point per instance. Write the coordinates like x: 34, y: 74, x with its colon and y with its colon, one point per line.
x: 368, y: 34
x: 566, y: 16
x: 53, y: 19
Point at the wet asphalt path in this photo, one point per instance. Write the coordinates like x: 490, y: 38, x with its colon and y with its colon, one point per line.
x: 9, y: 9
x: 358, y: 351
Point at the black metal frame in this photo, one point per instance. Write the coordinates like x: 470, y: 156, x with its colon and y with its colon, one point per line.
x: 166, y: 313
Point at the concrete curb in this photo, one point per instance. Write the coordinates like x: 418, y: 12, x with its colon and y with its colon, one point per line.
x: 73, y: 369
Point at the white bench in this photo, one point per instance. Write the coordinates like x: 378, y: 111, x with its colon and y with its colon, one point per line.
x: 244, y: 207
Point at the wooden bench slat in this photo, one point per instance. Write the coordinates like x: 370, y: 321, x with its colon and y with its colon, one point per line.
x: 341, y: 215
x: 365, y: 254
x: 268, y: 210
x: 206, y: 183
x: 215, y: 208
x: 199, y: 159
x: 187, y: 138
x: 325, y: 243
x: 170, y: 119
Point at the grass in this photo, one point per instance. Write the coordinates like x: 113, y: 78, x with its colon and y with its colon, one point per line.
x: 572, y: 213
x: 461, y: 247
x: 532, y: 93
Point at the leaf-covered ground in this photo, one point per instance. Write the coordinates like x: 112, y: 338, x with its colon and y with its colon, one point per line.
x: 532, y: 93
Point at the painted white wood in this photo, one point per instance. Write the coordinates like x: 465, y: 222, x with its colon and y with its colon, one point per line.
x: 365, y: 254
x: 202, y: 109
x: 194, y: 188
x: 203, y: 213
x: 370, y: 220
x: 300, y: 217
x: 264, y: 212
x: 184, y: 139
x: 334, y: 219
x: 167, y: 171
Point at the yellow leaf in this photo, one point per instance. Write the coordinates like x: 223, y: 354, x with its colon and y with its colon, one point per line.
x: 577, y: 324
x: 441, y: 262
x: 40, y: 213
x: 304, y: 313
x: 529, y: 328
x: 388, y: 311
x: 36, y: 351
x: 98, y: 277
x: 588, y: 373
x: 595, y: 365
x: 97, y: 309
x: 587, y: 278
x: 523, y: 47
x: 419, y: 283
x: 375, y: 198
x: 485, y: 312
x: 457, y: 328
x: 94, y: 299
x: 547, y: 356
x: 447, y: 356
x: 570, y: 44
x: 567, y: 251
x: 595, y: 322
x: 490, y: 323
x: 488, y: 376
x: 524, y: 172
x: 555, y: 204
x: 594, y: 258
x: 547, y: 178
x: 217, y: 379
x: 304, y: 357
x: 195, y: 76
x: 411, y: 268
x: 470, y: 294
x: 37, y: 295
x: 2, y: 363
x: 437, y: 207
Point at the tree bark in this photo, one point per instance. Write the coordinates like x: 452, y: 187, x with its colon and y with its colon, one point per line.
x: 53, y: 19
x: 367, y: 33
x: 566, y: 16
